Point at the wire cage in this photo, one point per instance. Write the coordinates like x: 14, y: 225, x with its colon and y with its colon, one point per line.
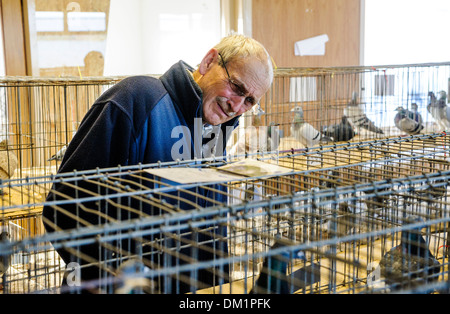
x: 179, y: 238
x: 38, y: 117
x: 327, y: 213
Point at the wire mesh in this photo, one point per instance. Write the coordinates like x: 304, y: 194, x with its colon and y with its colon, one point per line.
x: 343, y: 218
x: 326, y: 95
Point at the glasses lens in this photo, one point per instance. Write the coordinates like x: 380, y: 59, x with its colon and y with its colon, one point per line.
x: 237, y: 88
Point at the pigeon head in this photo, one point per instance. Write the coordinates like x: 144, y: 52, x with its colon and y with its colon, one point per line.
x: 401, y: 113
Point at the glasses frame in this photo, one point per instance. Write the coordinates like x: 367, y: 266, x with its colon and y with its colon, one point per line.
x: 237, y: 88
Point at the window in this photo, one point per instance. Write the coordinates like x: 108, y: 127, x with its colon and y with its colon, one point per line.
x: 147, y: 37
x: 406, y: 31
x: 70, y: 37
x: 105, y: 38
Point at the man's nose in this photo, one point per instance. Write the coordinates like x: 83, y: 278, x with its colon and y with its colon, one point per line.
x: 237, y: 103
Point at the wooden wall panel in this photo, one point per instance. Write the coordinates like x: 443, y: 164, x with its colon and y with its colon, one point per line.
x: 278, y: 24
x: 13, y: 37
x: 20, y: 112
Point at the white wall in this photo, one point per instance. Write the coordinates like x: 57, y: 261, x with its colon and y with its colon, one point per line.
x: 406, y: 31
x: 148, y: 36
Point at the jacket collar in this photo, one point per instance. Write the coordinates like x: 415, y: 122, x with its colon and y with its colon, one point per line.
x: 186, y: 94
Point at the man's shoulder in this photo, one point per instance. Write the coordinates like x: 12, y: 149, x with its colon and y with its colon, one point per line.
x: 134, y: 89
x: 141, y: 79
x: 141, y: 84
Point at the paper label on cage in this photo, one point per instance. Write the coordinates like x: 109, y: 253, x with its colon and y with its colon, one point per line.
x: 193, y: 175
x: 254, y: 168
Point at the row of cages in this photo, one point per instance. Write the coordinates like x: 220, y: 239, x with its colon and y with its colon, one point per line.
x: 351, y: 218
x: 39, y: 116
x: 328, y: 211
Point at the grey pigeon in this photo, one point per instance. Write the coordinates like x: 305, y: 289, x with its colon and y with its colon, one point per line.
x: 407, y: 121
x: 342, y: 131
x: 410, y: 264
x: 439, y: 110
x: 356, y: 116
x: 304, y: 132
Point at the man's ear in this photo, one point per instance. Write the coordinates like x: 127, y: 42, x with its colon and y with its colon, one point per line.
x: 208, y: 61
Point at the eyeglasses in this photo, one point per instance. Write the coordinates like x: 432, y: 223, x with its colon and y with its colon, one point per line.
x: 238, y: 89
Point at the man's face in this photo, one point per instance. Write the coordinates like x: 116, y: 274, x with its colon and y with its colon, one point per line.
x: 227, y: 95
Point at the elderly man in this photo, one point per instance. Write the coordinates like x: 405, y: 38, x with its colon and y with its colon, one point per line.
x: 145, y: 120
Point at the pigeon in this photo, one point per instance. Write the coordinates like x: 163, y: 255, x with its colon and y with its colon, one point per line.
x: 131, y: 278
x: 409, y: 264
x: 439, y: 110
x: 356, y: 116
x: 5, y: 260
x: 304, y: 132
x: 410, y: 122
x: 59, y: 154
x: 273, y: 277
x: 342, y: 131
